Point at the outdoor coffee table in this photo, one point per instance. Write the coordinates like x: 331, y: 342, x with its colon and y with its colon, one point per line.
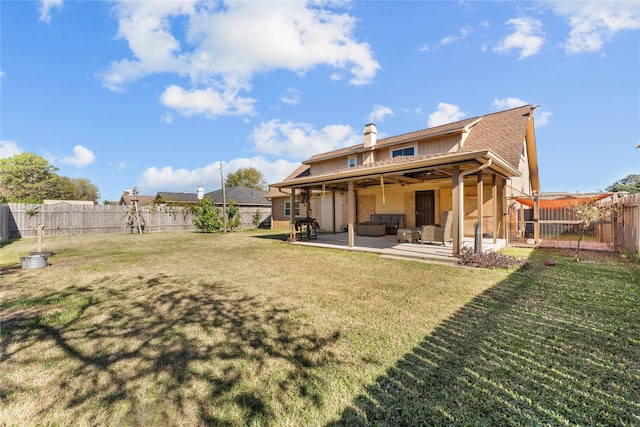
x: 408, y: 234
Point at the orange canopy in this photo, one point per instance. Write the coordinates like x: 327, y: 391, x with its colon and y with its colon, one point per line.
x: 561, y: 203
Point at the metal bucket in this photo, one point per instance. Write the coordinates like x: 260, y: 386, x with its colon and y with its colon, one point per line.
x: 33, y: 261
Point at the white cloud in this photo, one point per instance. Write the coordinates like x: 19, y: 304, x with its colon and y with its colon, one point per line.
x: 9, y: 149
x: 291, y: 96
x: 593, y: 23
x: 528, y: 37
x: 542, y: 118
x: 446, y: 113
x: 226, y: 44
x: 464, y: 33
x: 46, y: 6
x: 379, y: 113
x: 81, y: 157
x: 167, y: 117
x: 508, y: 103
x: 167, y: 178
x: 299, y: 141
x: 208, y: 102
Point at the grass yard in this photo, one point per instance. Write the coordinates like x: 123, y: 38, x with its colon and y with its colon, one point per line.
x: 242, y: 329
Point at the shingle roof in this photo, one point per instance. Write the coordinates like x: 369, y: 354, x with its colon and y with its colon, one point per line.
x: 398, y: 139
x: 242, y: 195
x: 167, y: 196
x: 503, y: 133
x: 142, y: 200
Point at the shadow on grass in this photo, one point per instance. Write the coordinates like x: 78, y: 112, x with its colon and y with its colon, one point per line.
x: 547, y: 346
x: 281, y: 236
x: 155, y: 351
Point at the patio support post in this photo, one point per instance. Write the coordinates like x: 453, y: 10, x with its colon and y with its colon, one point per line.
x: 536, y: 218
x: 456, y: 231
x: 351, y: 198
x: 292, y: 215
x: 333, y: 209
x: 494, y: 207
x: 480, y: 191
x: 522, y: 226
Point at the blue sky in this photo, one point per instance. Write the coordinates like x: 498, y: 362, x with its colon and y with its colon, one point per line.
x: 156, y: 94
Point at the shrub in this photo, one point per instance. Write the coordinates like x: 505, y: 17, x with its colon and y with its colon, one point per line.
x: 233, y: 215
x: 256, y: 219
x: 489, y: 259
x: 207, y: 216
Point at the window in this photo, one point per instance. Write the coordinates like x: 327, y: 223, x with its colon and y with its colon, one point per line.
x: 287, y: 209
x: 406, y: 151
x: 352, y: 162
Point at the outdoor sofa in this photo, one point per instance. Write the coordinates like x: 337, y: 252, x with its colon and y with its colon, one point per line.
x: 391, y: 222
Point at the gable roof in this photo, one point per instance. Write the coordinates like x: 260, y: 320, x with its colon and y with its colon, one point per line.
x: 503, y: 133
x: 242, y: 195
x: 497, y: 138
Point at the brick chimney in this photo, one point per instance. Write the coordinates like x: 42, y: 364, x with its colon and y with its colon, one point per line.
x: 370, y: 138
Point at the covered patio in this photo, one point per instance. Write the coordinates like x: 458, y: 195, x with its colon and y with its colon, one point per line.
x: 388, y: 246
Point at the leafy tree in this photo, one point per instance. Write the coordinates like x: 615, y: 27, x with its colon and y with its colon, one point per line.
x: 29, y: 178
x: 247, y: 177
x: 630, y: 183
x: 233, y: 215
x: 587, y: 213
x: 84, y: 189
x: 207, y: 216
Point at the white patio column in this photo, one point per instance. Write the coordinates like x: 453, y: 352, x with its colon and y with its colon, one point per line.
x: 351, y: 200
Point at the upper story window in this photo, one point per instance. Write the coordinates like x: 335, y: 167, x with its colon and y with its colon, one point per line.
x: 352, y: 162
x: 406, y: 151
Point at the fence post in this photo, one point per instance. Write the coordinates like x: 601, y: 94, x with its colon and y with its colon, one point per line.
x: 614, y: 221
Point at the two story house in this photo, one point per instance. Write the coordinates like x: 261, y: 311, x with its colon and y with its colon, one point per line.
x: 469, y: 168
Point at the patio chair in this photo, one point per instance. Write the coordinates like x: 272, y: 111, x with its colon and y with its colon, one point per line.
x: 439, y: 233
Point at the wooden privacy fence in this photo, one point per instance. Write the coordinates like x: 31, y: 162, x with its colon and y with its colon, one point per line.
x: 627, y: 213
x: 558, y: 226
x: 19, y: 220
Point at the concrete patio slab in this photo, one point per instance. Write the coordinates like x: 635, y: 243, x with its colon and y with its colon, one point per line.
x: 389, y: 246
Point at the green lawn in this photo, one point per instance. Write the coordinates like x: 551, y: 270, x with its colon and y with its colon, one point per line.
x: 243, y: 329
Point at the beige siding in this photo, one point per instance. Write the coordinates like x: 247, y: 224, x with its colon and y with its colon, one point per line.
x: 332, y: 165
x: 446, y: 144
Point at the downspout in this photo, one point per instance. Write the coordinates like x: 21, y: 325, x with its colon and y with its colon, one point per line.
x: 461, y: 176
